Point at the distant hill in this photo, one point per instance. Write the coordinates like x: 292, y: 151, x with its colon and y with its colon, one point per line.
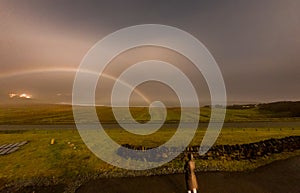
x: 275, y: 109
x: 30, y: 113
x: 281, y: 109
x: 244, y: 106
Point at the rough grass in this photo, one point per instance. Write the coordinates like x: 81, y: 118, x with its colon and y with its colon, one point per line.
x: 62, y: 114
x: 69, y: 158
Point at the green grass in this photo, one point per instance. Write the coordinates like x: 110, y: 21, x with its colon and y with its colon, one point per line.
x: 241, y: 165
x: 62, y: 114
x: 69, y: 159
x: 40, y: 159
x: 62, y: 161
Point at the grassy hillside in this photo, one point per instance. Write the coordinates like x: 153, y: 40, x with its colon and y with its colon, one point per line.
x: 62, y: 114
x: 280, y: 109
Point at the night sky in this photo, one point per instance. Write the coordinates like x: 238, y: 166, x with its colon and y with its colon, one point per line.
x: 255, y: 43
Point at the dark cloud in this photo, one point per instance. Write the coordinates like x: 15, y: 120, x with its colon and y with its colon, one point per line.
x: 256, y: 43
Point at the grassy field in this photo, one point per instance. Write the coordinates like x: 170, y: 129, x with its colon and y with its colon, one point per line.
x: 69, y: 158
x: 62, y: 114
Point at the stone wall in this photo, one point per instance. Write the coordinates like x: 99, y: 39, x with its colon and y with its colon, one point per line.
x: 228, y: 152
x: 251, y: 150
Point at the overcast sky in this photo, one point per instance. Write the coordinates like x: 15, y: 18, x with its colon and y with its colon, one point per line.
x: 255, y: 43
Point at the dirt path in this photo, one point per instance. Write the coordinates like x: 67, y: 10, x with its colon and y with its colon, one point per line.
x: 278, y: 177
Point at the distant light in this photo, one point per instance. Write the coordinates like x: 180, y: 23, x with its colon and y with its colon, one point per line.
x: 12, y: 95
x: 23, y: 95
